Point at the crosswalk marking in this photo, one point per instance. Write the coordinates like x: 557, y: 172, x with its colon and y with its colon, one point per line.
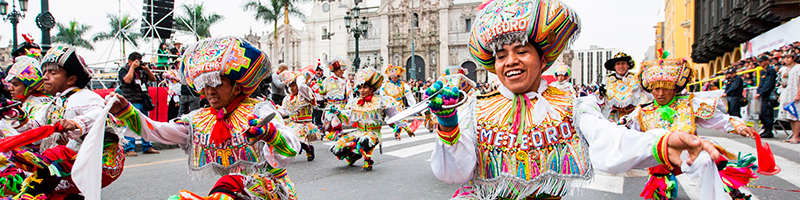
x: 789, y: 171
x: 411, y: 151
x: 689, y: 185
x: 605, y: 182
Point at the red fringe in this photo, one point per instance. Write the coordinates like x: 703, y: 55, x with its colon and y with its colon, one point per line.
x: 736, y: 177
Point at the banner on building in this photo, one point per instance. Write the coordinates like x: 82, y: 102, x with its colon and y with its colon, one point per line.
x: 772, y: 39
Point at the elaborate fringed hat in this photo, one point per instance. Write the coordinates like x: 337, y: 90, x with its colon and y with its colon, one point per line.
x: 290, y: 76
x: 451, y: 70
x: 171, y: 75
x: 369, y: 76
x: 28, y: 47
x: 26, y: 70
x: 395, y: 71
x: 456, y: 76
x: 204, y: 62
x: 562, y: 70
x: 549, y: 25
x: 336, y: 64
x: 65, y: 57
x: 667, y: 73
x: 619, y: 57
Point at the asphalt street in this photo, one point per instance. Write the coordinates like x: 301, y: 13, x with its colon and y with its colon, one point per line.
x: 403, y: 172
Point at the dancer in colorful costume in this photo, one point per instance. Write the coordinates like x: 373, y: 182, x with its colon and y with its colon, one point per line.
x: 520, y: 141
x: 562, y: 83
x: 624, y: 92
x: 233, y: 138
x: 671, y: 110
x: 26, y: 86
x: 27, y: 48
x: 398, y: 90
x: 367, y: 114
x: 298, y: 107
x: 337, y: 91
x: 73, y: 111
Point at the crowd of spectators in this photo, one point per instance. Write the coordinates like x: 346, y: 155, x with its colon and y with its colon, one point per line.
x: 778, y: 92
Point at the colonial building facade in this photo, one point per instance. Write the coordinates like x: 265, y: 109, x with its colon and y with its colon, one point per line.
x: 438, y: 30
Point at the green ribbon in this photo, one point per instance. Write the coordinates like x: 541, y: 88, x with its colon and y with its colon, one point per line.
x: 665, y: 111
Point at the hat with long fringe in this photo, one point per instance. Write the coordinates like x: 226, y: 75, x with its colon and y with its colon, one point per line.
x: 562, y: 70
x: 550, y: 25
x: 204, y: 62
x: 395, y: 71
x: 369, y: 76
x: 666, y: 73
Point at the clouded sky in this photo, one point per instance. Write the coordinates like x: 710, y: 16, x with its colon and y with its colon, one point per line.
x: 623, y: 24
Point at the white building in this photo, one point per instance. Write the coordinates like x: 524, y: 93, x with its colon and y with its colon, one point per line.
x: 588, y: 64
x: 439, y: 28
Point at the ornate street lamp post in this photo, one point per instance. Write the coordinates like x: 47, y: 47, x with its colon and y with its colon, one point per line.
x: 14, y: 16
x: 45, y: 22
x: 358, y: 29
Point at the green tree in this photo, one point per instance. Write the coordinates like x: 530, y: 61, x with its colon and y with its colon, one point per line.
x: 268, y: 14
x: 72, y: 34
x: 121, y: 27
x: 196, y: 21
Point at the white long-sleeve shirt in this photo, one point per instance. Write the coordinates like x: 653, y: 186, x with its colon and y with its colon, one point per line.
x: 608, y: 147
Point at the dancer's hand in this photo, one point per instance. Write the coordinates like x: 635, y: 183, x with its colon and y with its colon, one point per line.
x: 67, y: 125
x: 747, y: 132
x: 119, y: 105
x: 680, y: 141
x: 448, y: 96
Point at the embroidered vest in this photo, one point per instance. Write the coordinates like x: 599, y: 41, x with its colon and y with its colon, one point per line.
x: 686, y: 114
x: 548, y: 156
x: 683, y: 120
x: 620, y: 93
x: 396, y: 92
x: 235, y: 155
x: 335, y: 91
x: 299, y: 110
x: 368, y: 116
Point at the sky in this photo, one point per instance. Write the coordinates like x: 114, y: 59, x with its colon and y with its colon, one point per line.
x: 623, y: 24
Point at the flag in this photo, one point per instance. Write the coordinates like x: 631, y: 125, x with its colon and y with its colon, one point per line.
x: 792, y: 109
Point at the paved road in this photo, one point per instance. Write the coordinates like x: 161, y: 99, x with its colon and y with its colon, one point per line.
x: 403, y: 172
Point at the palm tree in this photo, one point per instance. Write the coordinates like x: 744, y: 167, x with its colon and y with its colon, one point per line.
x: 195, y: 21
x: 121, y: 27
x: 268, y: 14
x: 72, y: 34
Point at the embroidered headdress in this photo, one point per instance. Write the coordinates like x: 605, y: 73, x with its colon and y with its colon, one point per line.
x: 26, y: 70
x: 619, y: 57
x: 65, y: 57
x: 290, y: 76
x: 204, y: 62
x: 456, y: 76
x: 668, y: 73
x: 336, y: 64
x: 562, y: 70
x: 369, y: 76
x: 549, y: 25
x: 171, y: 75
x: 395, y: 71
x: 28, y: 47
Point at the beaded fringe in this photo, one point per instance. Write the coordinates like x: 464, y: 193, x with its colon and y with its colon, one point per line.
x: 208, y: 79
x: 214, y: 169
